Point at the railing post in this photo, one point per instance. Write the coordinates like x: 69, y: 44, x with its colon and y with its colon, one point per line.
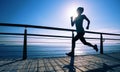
x: 101, y: 44
x: 72, y: 34
x: 72, y: 38
x: 25, y: 45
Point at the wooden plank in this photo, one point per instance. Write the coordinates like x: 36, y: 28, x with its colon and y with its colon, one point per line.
x: 53, y: 64
x: 9, y: 65
x: 33, y: 66
x: 41, y: 65
x: 21, y: 65
x: 59, y: 66
x: 49, y: 65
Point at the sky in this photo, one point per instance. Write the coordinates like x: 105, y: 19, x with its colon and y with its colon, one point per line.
x: 104, y: 15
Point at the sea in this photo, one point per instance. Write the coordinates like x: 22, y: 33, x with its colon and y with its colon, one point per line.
x: 42, y: 51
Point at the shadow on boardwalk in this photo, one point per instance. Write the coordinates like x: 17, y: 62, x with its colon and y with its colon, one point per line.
x: 105, y: 68
x: 11, y: 62
x: 70, y: 67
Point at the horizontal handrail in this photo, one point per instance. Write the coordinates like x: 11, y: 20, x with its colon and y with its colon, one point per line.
x: 54, y: 36
x: 52, y: 28
x: 35, y: 26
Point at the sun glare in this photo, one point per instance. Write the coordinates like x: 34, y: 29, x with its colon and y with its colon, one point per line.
x: 71, y: 9
x: 72, y: 12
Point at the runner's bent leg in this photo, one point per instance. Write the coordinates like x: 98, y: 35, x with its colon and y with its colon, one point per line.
x: 84, y: 41
x: 89, y: 44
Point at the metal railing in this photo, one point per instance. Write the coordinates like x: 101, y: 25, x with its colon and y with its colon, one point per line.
x: 25, y: 34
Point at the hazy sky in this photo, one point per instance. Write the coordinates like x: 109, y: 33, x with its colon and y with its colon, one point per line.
x: 103, y: 14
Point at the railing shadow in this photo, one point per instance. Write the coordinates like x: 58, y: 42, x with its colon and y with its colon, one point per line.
x: 105, y: 68
x: 70, y: 67
x: 11, y: 62
x: 112, y: 57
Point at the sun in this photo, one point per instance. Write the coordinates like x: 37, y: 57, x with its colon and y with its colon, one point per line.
x: 71, y: 10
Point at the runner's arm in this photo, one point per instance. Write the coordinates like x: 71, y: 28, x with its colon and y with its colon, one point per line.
x: 72, y: 22
x: 87, y: 21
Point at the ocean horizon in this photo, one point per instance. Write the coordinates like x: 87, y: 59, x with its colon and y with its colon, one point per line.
x: 41, y: 51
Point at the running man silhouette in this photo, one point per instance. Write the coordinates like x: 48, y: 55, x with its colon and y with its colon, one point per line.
x: 80, y: 31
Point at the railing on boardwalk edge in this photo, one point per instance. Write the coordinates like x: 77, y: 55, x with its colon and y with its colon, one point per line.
x: 52, y: 28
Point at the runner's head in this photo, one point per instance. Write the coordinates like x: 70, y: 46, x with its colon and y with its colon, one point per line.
x: 80, y: 10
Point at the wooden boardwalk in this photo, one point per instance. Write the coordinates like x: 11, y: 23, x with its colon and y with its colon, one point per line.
x: 84, y: 63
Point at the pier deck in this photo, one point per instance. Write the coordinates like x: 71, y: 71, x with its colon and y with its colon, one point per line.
x: 84, y: 63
